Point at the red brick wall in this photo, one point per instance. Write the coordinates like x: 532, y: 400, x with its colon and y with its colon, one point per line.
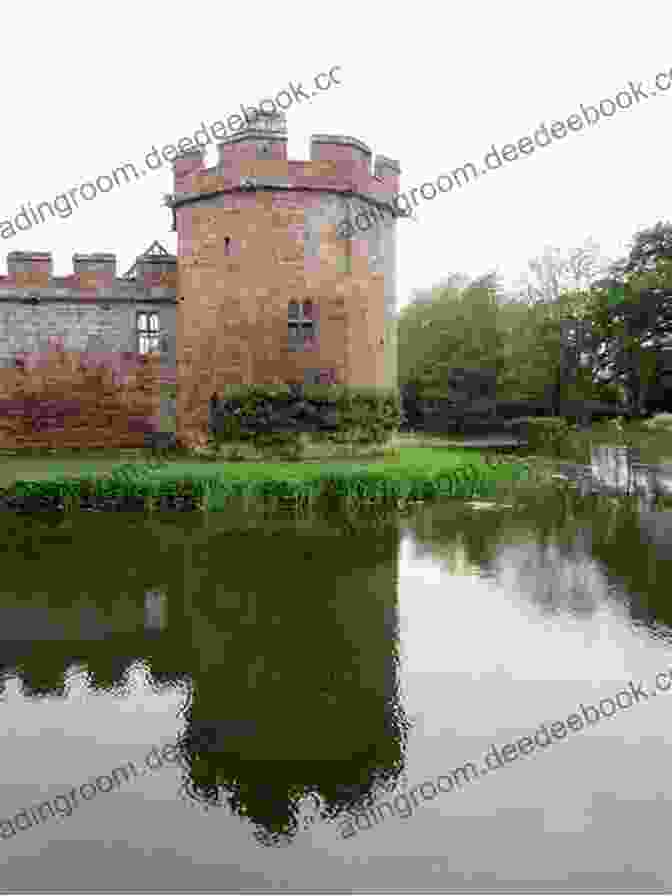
x: 73, y: 400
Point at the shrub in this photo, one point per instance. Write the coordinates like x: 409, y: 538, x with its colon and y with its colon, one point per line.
x: 281, y: 421
x: 546, y: 435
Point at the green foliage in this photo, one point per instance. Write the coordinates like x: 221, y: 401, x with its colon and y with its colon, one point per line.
x: 648, y: 248
x: 629, y: 331
x: 365, y: 416
x: 449, y: 327
x: 547, y: 435
x: 411, y: 473
x: 471, y: 326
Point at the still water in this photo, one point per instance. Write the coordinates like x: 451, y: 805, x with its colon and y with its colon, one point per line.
x: 301, y: 671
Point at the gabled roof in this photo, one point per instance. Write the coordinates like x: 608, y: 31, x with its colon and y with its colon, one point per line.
x: 155, y: 249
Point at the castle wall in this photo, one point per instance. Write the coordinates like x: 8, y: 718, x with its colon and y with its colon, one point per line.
x: 27, y: 328
x: 254, y: 233
x: 232, y: 323
x: 92, y: 309
x: 55, y: 329
x: 257, y: 233
x: 68, y: 400
x: 379, y: 245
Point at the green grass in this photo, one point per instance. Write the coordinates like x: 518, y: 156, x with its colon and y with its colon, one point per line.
x: 414, y: 473
x: 39, y: 468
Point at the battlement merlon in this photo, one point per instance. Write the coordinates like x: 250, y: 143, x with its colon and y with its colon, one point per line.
x: 258, y: 152
x: 103, y: 262
x: 338, y: 148
x: 341, y: 167
x: 36, y: 262
x: 30, y: 277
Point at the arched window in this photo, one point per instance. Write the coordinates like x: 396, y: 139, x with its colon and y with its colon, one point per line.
x: 301, y: 325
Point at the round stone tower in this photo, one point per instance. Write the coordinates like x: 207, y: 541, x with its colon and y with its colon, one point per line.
x: 279, y: 279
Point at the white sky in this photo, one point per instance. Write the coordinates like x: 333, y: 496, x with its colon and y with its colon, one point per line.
x: 89, y: 87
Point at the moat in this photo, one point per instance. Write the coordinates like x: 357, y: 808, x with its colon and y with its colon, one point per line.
x: 308, y: 666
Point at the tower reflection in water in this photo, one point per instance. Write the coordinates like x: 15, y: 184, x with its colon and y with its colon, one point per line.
x: 285, y: 637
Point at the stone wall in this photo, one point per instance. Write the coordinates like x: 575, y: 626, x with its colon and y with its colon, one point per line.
x: 60, y: 399
x: 232, y: 324
x: 91, y: 309
x: 26, y: 328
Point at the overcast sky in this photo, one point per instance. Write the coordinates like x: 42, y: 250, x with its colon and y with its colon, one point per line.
x: 89, y: 87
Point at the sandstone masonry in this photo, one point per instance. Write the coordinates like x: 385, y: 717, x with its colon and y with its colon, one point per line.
x: 257, y: 240
x: 262, y: 290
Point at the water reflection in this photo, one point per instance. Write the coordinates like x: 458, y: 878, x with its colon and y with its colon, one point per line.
x: 618, y: 470
x: 592, y: 538
x: 284, y: 630
x: 285, y: 637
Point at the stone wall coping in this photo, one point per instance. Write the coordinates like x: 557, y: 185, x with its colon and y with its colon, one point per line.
x: 196, y: 151
x: 45, y: 296
x: 252, y: 134
x: 109, y: 257
x: 176, y: 200
x: 28, y: 256
x: 341, y: 140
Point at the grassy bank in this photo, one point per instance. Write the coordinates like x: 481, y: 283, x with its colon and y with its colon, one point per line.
x: 650, y: 439
x: 408, y: 473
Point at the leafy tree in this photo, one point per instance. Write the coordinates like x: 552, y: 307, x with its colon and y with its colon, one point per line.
x: 647, y: 248
x: 633, y: 330
x: 475, y: 324
x: 478, y: 326
x: 450, y: 326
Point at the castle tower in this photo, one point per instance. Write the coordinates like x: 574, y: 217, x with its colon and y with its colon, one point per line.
x: 269, y: 289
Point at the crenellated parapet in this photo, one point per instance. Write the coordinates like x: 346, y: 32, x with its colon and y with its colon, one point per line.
x: 256, y: 159
x: 30, y: 278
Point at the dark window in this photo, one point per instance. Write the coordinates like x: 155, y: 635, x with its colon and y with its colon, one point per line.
x: 227, y: 245
x: 149, y: 337
x: 301, y: 325
x: 319, y: 377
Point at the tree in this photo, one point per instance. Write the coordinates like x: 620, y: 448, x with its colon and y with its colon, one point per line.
x: 475, y: 324
x: 478, y: 326
x: 450, y: 326
x: 455, y: 281
x: 555, y: 272
x: 634, y: 329
x: 647, y: 248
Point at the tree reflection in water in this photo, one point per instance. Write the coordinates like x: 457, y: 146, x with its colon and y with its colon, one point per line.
x: 570, y: 544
